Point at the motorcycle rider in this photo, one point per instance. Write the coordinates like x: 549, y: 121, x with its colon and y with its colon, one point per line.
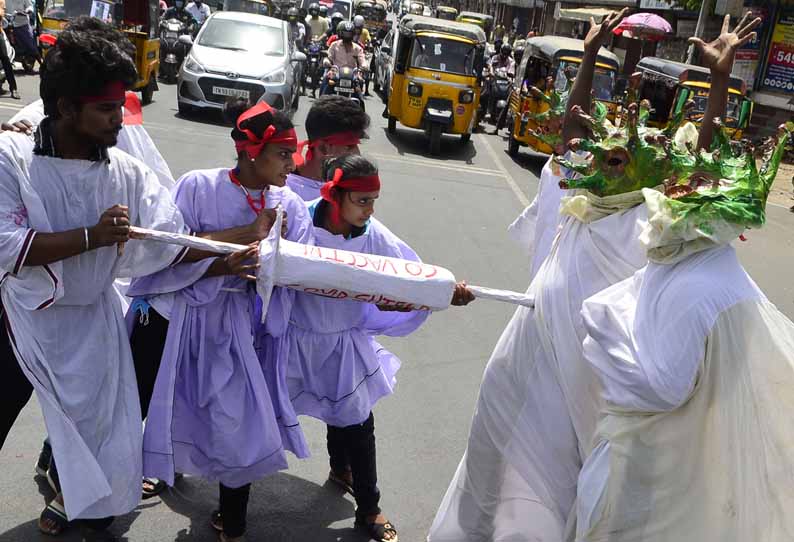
x: 503, y: 60
x: 364, y: 39
x: 345, y: 52
x: 316, y: 24
x: 332, y: 34
x: 180, y: 13
x: 199, y: 10
x: 22, y: 11
x: 298, y: 29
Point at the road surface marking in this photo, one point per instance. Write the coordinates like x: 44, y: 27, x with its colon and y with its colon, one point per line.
x: 506, y: 174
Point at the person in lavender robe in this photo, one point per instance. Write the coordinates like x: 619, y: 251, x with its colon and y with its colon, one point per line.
x: 335, y: 370
x: 213, y: 412
x: 335, y: 126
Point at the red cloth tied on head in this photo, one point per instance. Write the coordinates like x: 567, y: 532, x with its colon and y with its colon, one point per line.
x: 133, y: 113
x: 341, y: 138
x: 112, y: 92
x: 368, y: 183
x: 253, y: 144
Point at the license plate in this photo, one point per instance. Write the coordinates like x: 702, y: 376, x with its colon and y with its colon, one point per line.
x: 171, y: 34
x: 346, y: 83
x: 237, y: 93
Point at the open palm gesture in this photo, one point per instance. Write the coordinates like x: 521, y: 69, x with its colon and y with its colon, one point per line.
x: 719, y: 54
x: 598, y: 34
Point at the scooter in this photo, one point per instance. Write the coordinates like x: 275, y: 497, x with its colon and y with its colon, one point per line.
x: 172, y: 51
x: 346, y: 81
x: 314, y: 67
x: 499, y: 93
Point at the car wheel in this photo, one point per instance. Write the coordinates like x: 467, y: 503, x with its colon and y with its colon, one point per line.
x: 512, y: 146
x: 465, y: 138
x: 435, y: 139
x: 392, y: 125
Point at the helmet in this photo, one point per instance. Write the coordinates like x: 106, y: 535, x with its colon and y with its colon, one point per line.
x: 518, y: 54
x: 506, y: 50
x: 345, y: 30
x: 292, y: 15
x: 323, y: 11
x: 337, y: 17
x: 358, y: 21
x: 314, y: 9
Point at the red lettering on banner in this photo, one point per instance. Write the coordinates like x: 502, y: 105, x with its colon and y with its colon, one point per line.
x: 312, y: 251
x: 332, y: 293
x: 357, y: 262
x: 375, y: 264
x: 335, y: 258
x: 434, y: 271
x: 410, y: 267
x: 390, y: 263
x: 366, y: 298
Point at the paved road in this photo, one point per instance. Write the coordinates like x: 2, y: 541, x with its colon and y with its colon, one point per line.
x: 454, y: 211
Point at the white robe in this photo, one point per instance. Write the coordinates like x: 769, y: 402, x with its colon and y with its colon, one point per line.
x: 539, y: 401
x: 697, y: 439
x: 65, y: 319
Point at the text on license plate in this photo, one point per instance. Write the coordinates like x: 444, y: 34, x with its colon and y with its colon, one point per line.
x: 237, y: 93
x: 346, y: 83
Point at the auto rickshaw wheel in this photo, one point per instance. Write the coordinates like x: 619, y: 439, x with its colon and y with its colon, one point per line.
x: 435, y: 138
x: 465, y: 138
x: 147, y: 94
x: 512, y: 146
x: 392, y: 125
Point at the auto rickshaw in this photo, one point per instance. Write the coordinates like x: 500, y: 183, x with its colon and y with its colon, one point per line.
x: 138, y: 19
x: 446, y: 13
x: 553, y: 60
x: 374, y: 13
x: 670, y: 85
x: 435, y: 82
x: 258, y: 7
x: 480, y: 19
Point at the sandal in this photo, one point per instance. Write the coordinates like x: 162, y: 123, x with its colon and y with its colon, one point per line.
x: 378, y: 531
x: 216, y: 520
x: 152, y: 487
x: 55, y: 513
x: 341, y: 481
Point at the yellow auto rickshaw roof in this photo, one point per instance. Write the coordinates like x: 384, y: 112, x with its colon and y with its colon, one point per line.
x: 553, y: 48
x: 446, y: 36
x: 578, y: 60
x: 413, y: 24
x: 707, y: 85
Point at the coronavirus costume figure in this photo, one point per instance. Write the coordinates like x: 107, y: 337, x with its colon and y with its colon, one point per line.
x: 539, y: 400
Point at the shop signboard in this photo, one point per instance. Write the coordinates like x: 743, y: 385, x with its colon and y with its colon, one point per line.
x: 779, y: 75
x: 748, y: 58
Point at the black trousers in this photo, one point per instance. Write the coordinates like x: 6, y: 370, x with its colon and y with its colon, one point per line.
x: 234, y: 509
x: 15, y: 389
x: 147, y: 343
x: 354, y: 446
x: 8, y: 68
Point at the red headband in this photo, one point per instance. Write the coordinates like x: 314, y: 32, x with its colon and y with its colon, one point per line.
x: 254, y: 144
x: 133, y: 114
x: 369, y: 183
x: 341, y: 138
x: 113, y: 92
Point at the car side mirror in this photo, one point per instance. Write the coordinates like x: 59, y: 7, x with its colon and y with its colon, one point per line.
x: 297, y: 56
x: 186, y: 39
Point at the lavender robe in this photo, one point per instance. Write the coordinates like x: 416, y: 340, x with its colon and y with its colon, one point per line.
x: 213, y: 412
x: 335, y: 370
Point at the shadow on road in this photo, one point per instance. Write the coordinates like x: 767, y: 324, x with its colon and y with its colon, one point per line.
x: 408, y: 141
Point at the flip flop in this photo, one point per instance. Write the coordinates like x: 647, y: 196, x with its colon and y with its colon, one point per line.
x: 157, y: 487
x: 56, y: 513
x: 377, y: 531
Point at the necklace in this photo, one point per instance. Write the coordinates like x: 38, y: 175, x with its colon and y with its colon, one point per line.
x: 255, y: 206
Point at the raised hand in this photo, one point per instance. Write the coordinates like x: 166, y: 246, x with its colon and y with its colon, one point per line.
x: 599, y: 33
x: 719, y: 54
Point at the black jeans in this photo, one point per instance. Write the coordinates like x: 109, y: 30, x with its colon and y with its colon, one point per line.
x: 234, y: 509
x: 354, y: 445
x: 147, y: 343
x: 15, y: 389
x: 8, y: 68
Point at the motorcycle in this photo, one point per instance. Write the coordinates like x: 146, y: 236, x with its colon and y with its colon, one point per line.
x: 346, y: 81
x: 314, y: 67
x: 172, y: 51
x: 499, y: 93
x: 26, y: 58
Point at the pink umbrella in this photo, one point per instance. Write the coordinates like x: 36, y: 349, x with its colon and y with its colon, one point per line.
x: 645, y: 26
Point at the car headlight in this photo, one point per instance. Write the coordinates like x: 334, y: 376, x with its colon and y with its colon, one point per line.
x: 277, y: 77
x: 192, y: 65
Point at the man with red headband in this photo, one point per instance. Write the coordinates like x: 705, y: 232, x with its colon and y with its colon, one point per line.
x: 334, y: 126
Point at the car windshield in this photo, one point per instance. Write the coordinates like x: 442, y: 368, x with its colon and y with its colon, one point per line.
x: 701, y: 96
x: 449, y: 56
x: 603, y: 80
x: 243, y: 36
x: 343, y: 7
x: 246, y: 6
x: 68, y: 9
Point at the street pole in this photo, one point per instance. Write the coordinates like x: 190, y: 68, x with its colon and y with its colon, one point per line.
x: 699, y: 29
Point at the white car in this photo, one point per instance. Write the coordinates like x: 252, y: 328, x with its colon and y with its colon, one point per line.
x: 239, y: 54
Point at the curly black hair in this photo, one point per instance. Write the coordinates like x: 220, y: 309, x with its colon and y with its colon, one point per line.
x: 235, y: 107
x: 335, y: 114
x: 87, y: 56
x: 352, y: 165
